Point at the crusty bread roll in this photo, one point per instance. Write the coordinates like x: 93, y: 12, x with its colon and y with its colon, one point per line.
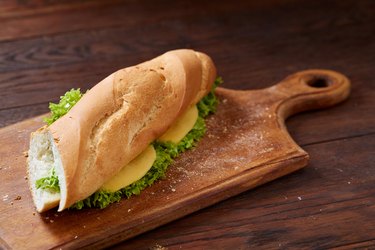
x: 114, y: 122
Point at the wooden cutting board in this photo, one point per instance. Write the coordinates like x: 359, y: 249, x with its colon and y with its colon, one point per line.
x: 246, y: 145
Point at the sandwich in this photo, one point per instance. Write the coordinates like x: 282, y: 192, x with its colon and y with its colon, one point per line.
x: 120, y: 136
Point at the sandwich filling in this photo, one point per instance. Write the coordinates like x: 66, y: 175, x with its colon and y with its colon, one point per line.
x: 147, y: 167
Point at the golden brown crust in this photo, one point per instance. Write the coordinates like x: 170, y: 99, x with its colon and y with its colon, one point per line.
x: 120, y: 116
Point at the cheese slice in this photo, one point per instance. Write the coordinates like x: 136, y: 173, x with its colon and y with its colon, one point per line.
x: 138, y: 167
x: 132, y: 172
x: 181, y: 127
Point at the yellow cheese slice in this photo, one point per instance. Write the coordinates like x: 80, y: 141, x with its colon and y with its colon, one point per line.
x: 132, y: 172
x: 181, y: 127
x: 138, y: 167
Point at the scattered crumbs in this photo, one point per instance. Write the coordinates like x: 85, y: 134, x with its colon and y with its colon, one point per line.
x: 11, y: 203
x: 225, y: 129
x: 129, y: 210
x: 5, y: 197
x: 1, y: 168
x: 279, y: 244
x: 320, y: 210
x: 47, y: 218
x: 26, y: 178
x: 98, y: 218
x: 163, y: 190
x: 265, y: 150
x: 236, y: 167
x: 340, y: 170
x: 51, y: 221
x: 26, y: 154
x: 167, y: 198
x: 269, y: 116
x: 152, y: 193
x: 225, y: 101
x: 76, y: 237
x: 173, y: 190
x: 179, y: 180
x: 18, y: 198
x: 157, y: 247
x: 84, y: 226
x: 34, y: 213
x: 56, y: 215
x: 299, y: 198
x: 285, y: 197
x: 349, y: 182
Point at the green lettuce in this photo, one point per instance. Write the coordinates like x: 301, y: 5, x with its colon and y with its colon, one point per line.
x: 50, y: 182
x: 208, y: 103
x: 165, y: 153
x: 67, y: 101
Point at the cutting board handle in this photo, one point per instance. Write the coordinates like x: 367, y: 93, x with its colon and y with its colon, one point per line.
x: 310, y: 89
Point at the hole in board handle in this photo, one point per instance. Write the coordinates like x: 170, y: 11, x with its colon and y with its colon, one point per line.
x: 319, y: 82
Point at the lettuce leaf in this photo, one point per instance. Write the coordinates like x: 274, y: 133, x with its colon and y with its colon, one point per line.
x: 208, y: 103
x: 67, y: 101
x: 50, y: 182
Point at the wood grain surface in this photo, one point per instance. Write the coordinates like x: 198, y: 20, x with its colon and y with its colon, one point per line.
x: 47, y: 47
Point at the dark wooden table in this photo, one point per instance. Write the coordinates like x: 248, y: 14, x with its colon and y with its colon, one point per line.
x: 48, y: 47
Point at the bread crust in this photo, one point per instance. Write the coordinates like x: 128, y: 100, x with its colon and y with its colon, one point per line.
x: 121, y: 115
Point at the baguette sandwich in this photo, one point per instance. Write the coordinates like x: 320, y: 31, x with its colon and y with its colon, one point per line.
x: 120, y: 136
